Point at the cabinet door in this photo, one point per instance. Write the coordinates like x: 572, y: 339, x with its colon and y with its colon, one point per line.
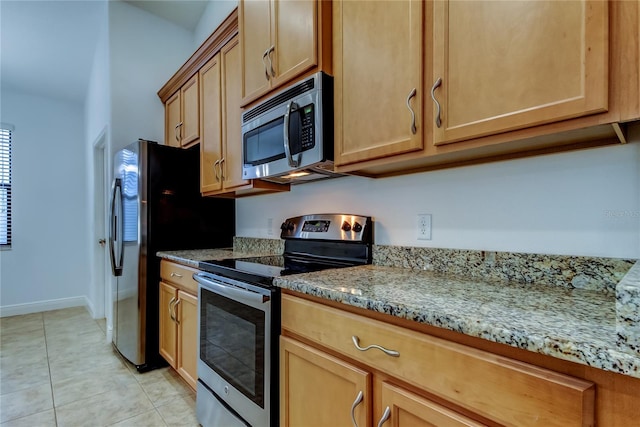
x: 211, y: 127
x: 317, y: 389
x: 294, y: 32
x: 172, y: 120
x: 231, y: 129
x: 187, y: 314
x: 168, y: 295
x: 190, y: 128
x: 378, y: 51
x: 510, y: 65
x: 406, y: 409
x: 254, y: 19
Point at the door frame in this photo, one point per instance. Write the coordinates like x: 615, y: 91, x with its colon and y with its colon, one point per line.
x: 102, y: 283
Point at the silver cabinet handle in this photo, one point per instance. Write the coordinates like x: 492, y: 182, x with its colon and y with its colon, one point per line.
x: 413, y: 114
x: 221, y: 169
x: 385, y: 416
x: 433, y: 96
x: 177, y: 129
x: 215, y: 170
x: 271, y: 49
x: 356, y: 342
x: 356, y: 402
x: 175, y: 313
x: 174, y: 274
x: 266, y: 71
x: 171, y: 308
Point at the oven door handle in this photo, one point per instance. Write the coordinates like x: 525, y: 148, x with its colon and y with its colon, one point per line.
x: 230, y: 291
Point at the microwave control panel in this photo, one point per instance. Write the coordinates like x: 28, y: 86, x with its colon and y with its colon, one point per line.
x: 307, y: 120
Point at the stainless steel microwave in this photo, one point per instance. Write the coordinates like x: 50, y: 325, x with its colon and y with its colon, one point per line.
x: 288, y: 138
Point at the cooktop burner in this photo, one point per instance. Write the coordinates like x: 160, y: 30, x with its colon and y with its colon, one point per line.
x: 268, y: 267
x: 312, y: 243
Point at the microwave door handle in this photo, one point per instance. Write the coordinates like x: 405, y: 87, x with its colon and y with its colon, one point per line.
x: 287, y: 148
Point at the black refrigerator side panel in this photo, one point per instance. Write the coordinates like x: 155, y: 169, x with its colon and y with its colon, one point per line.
x: 178, y: 217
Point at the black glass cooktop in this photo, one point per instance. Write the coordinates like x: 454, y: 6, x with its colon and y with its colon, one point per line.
x: 264, y: 269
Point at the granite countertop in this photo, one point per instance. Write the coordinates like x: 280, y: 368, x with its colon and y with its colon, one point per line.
x: 598, y: 328
x: 572, y: 324
x: 192, y: 257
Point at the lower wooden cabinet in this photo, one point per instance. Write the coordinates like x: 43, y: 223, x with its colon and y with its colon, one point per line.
x: 318, y: 389
x: 321, y: 390
x: 329, y: 356
x: 179, y: 320
x: 402, y: 408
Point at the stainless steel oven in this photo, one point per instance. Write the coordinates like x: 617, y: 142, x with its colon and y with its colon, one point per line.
x: 237, y: 344
x: 239, y: 321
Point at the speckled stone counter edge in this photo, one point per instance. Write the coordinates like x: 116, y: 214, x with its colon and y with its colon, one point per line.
x: 628, y: 311
x: 592, y: 273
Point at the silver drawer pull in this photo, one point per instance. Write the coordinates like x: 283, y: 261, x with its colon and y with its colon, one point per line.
x: 433, y: 96
x: 173, y: 274
x: 413, y: 114
x: 356, y: 402
x: 356, y: 342
x: 385, y: 417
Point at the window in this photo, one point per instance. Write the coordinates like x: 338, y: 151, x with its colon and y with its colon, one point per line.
x: 5, y: 185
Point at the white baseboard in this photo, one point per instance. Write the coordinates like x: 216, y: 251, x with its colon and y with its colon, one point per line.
x: 39, y: 306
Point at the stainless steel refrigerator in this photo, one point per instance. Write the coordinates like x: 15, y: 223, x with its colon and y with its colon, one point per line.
x: 155, y: 205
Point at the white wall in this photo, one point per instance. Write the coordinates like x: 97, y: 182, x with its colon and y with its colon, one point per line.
x: 48, y: 265
x: 97, y: 119
x: 145, y: 51
x: 578, y: 203
x: 214, y: 14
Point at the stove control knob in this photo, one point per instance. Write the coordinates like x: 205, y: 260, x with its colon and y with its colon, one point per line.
x: 287, y: 226
x: 346, y: 226
x: 357, y: 227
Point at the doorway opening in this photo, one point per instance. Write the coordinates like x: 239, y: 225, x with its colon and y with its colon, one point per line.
x: 101, y: 271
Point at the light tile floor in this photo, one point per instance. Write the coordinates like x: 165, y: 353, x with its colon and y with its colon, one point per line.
x: 57, y: 369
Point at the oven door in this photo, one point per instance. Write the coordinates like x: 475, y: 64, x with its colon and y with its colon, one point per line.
x: 234, y: 338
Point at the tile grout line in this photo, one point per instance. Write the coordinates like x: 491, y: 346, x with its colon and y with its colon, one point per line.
x: 46, y: 349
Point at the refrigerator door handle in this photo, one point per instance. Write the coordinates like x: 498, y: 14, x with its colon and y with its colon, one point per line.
x: 115, y: 235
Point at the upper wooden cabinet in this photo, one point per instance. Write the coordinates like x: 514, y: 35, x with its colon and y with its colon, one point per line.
x: 221, y: 147
x: 280, y: 40
x: 498, y: 80
x: 182, y: 117
x: 208, y: 87
x: 499, y: 66
x: 221, y: 141
x: 378, y: 78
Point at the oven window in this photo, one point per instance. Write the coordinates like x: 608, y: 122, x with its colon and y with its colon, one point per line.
x: 232, y: 343
x: 264, y: 144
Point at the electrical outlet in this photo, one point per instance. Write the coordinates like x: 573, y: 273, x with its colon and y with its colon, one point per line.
x: 269, y: 226
x: 424, y: 227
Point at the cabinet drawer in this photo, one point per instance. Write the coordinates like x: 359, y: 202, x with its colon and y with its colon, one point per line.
x: 179, y: 275
x: 501, y: 389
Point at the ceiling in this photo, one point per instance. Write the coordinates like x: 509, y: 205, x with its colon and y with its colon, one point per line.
x: 47, y: 46
x: 185, y: 13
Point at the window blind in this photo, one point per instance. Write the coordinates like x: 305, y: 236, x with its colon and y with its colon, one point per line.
x: 5, y: 185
